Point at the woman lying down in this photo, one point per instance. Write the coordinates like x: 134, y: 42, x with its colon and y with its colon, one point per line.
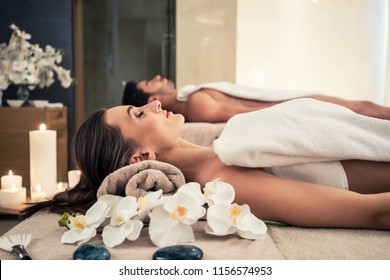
x: 304, y: 162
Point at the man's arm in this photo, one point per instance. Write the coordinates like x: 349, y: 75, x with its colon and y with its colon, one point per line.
x: 204, y: 107
x: 366, y: 108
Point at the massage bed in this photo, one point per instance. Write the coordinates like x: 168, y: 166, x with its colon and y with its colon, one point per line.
x: 281, y: 242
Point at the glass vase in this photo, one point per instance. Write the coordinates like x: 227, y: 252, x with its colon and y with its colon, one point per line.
x: 23, y: 92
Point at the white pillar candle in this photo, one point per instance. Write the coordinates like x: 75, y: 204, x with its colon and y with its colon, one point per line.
x: 7, y: 181
x: 43, y: 162
x: 73, y: 178
x: 12, y: 196
x: 61, y: 187
x: 37, y: 193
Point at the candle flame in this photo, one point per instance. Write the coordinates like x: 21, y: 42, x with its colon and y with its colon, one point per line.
x: 42, y: 127
x: 38, y: 188
x: 62, y: 186
x: 10, y: 173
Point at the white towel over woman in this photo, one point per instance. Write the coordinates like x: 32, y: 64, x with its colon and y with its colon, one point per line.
x: 303, y: 139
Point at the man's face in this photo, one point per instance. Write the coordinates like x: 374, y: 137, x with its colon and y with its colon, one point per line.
x: 157, y: 86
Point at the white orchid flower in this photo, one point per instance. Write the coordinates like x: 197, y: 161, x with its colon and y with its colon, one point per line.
x: 144, y: 203
x: 214, y: 192
x: 111, y: 201
x: 226, y: 218
x: 194, y: 190
x: 64, y: 76
x: 171, y: 223
x: 151, y: 200
x: 83, y: 228
x: 122, y: 225
x: 3, y: 82
x: 217, y: 191
x: 171, y: 217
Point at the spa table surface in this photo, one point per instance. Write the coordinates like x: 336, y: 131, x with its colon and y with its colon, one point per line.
x: 291, y: 243
x: 14, y: 209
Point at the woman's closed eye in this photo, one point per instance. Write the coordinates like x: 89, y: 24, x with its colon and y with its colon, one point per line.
x: 139, y: 114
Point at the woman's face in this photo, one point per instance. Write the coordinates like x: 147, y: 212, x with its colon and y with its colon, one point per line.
x: 149, y: 126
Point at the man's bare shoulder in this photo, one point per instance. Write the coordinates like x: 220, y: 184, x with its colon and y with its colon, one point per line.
x: 214, y: 106
x: 208, y: 98
x: 207, y: 93
x: 201, y: 107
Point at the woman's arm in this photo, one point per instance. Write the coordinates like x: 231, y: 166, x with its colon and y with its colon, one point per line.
x: 304, y: 204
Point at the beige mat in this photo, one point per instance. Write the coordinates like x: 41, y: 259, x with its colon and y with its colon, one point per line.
x: 331, y: 244
x: 46, y: 244
x: 281, y: 243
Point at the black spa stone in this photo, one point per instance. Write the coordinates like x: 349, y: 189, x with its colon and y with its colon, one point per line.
x: 91, y: 252
x: 178, y: 252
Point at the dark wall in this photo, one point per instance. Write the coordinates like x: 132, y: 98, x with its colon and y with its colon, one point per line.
x: 48, y: 22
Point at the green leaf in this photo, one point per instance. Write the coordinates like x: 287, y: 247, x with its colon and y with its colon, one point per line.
x: 62, y: 222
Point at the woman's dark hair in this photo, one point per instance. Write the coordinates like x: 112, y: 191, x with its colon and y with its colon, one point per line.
x: 134, y: 96
x: 97, y: 150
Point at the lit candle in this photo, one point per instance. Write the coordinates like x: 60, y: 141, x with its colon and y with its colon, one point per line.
x: 61, y: 187
x: 7, y: 181
x: 12, y: 196
x: 43, y: 162
x: 73, y: 178
x: 37, y: 194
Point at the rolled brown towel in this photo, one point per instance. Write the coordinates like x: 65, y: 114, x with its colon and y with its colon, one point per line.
x: 139, y: 178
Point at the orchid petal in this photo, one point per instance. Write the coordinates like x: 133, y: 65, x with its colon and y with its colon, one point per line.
x: 96, y: 214
x: 159, y: 217
x: 184, y: 207
x: 137, y: 227
x: 178, y: 233
x: 113, y: 236
x: 148, y: 202
x: 164, y: 231
x: 78, y: 235
x: 210, y: 230
x: 160, y: 222
x: 251, y: 235
x: 152, y: 196
x: 251, y: 227
x: 218, y: 191
x: 129, y: 203
x: 124, y: 210
x: 145, y: 210
x: 218, y: 220
x: 194, y: 190
x: 111, y: 201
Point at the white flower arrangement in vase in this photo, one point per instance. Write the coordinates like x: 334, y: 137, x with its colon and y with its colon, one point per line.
x: 28, y: 65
